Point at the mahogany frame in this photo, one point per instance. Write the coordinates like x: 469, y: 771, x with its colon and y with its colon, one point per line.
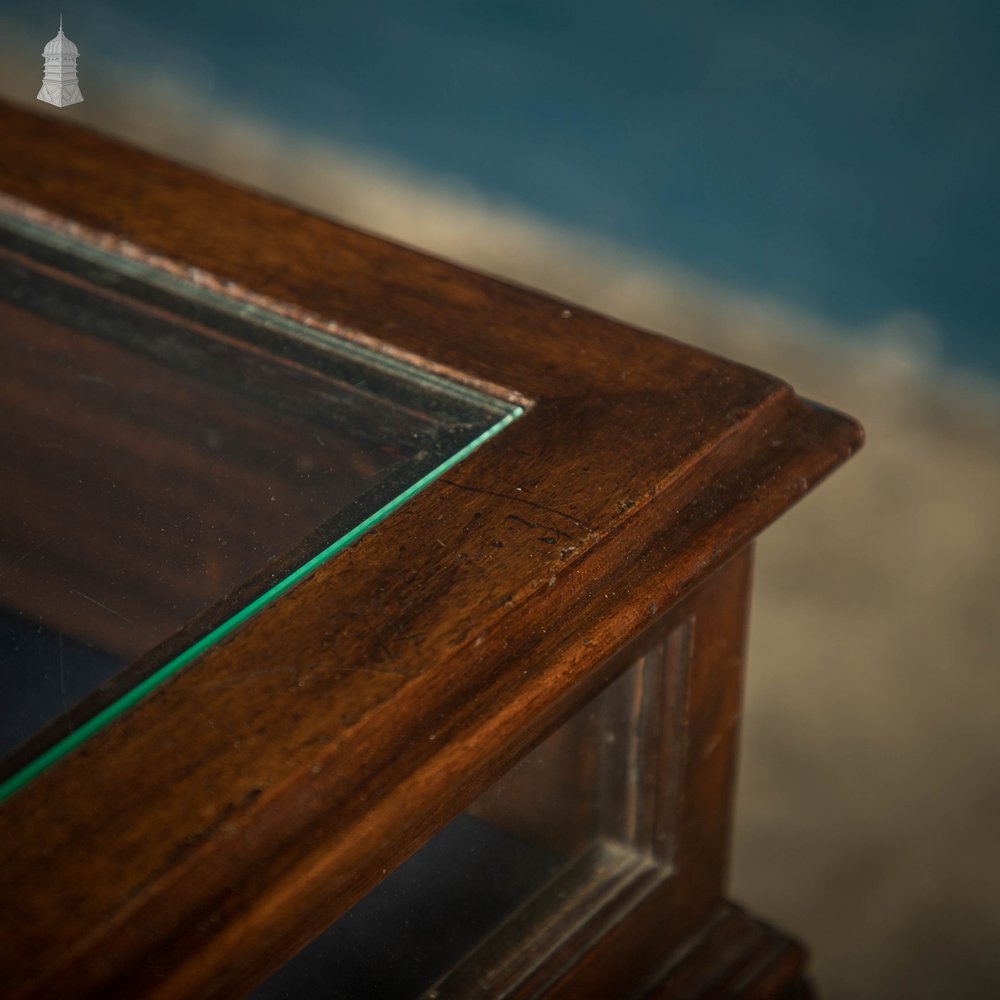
x: 193, y: 845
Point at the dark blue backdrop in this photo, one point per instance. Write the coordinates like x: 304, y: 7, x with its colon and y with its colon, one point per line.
x: 840, y: 155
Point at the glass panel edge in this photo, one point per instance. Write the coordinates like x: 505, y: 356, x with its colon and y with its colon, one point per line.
x: 505, y: 409
x: 71, y: 741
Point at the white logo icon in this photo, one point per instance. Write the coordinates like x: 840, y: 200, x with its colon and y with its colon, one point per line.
x: 59, y: 85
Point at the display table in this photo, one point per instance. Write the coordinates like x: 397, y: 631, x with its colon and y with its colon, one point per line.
x: 349, y: 595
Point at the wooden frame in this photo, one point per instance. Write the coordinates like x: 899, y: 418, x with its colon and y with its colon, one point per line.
x: 192, y: 846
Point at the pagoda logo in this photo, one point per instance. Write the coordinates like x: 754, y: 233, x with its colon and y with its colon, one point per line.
x: 59, y: 85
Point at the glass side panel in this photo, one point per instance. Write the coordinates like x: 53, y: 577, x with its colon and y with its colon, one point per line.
x: 585, y: 817
x: 162, y: 447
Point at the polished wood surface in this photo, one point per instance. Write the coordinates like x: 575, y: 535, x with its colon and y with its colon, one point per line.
x: 195, y: 844
x: 736, y: 957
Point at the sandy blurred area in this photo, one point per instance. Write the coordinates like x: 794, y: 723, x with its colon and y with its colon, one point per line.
x: 869, y: 803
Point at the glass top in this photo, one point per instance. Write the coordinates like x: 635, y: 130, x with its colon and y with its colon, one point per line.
x: 171, y: 460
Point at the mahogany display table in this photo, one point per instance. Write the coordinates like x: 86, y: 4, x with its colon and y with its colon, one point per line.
x: 351, y: 597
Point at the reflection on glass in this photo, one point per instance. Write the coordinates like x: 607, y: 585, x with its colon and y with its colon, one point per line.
x: 586, y: 816
x: 160, y: 447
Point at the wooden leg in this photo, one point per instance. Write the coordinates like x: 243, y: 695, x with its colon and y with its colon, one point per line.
x: 737, y: 958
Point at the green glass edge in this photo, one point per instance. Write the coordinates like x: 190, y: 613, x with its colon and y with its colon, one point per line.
x: 49, y: 757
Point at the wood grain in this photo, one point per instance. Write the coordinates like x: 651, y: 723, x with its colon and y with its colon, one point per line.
x: 195, y: 844
x: 735, y: 957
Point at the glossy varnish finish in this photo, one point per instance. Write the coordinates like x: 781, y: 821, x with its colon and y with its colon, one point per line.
x: 196, y: 843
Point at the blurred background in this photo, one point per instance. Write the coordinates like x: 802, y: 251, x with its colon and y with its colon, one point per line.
x: 811, y: 188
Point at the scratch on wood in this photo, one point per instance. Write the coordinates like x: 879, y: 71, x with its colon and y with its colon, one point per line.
x: 532, y: 524
x: 382, y: 646
x: 721, y: 732
x: 524, y: 500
